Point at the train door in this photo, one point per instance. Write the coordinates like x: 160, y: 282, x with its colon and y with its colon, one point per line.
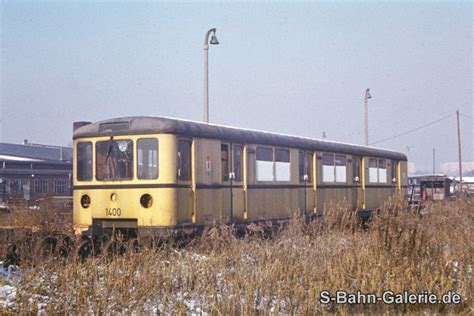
x: 393, y: 177
x: 357, y: 190
x: 232, y: 178
x: 184, y: 181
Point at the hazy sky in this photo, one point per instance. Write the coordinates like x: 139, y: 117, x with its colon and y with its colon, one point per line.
x: 295, y: 68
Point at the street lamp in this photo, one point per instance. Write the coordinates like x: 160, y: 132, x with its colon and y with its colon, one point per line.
x: 213, y: 41
x: 366, y: 108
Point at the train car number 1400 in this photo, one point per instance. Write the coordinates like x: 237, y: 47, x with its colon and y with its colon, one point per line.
x: 112, y: 211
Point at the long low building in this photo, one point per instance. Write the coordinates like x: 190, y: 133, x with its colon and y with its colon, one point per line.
x: 29, y: 172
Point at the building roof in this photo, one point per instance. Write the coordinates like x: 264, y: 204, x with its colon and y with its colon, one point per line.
x: 34, y: 152
x: 160, y: 125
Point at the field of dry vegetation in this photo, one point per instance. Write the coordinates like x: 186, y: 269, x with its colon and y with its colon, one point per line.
x: 218, y: 273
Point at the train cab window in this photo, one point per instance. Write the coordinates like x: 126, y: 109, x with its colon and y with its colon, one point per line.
x: 237, y: 160
x: 356, y: 169
x: 147, y: 158
x: 225, y: 162
x: 282, y: 165
x: 305, y: 166
x: 114, y: 160
x: 84, y: 162
x: 328, y: 168
x: 341, y: 172
x: 264, y: 157
x: 373, y: 172
x: 184, y: 159
x: 382, y: 171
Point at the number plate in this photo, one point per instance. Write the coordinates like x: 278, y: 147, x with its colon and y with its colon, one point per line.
x: 113, y: 211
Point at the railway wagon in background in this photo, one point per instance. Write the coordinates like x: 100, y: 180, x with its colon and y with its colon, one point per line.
x: 141, y: 175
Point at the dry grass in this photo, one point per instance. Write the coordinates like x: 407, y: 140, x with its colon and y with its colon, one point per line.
x: 221, y: 274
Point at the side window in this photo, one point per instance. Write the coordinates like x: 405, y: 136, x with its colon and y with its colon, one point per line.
x: 309, y: 166
x: 341, y: 172
x: 184, y: 159
x: 394, y: 171
x: 84, y: 162
x: 147, y: 158
x: 355, y: 169
x: 60, y: 186
x: 373, y: 174
x: 237, y: 160
x: 41, y: 186
x: 328, y: 168
x: 264, y: 158
x: 301, y: 166
x: 282, y: 165
x: 305, y: 166
x: 382, y: 171
x: 225, y: 162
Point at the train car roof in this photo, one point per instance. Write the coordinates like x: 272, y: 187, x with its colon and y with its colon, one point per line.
x: 163, y: 125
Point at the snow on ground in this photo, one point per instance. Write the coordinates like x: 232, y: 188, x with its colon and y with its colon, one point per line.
x: 8, y: 278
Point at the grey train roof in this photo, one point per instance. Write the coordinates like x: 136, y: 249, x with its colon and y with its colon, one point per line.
x: 162, y: 125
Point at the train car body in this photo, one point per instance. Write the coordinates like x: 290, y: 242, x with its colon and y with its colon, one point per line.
x: 154, y: 175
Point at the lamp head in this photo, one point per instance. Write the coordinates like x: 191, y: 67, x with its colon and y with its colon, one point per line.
x: 214, y: 40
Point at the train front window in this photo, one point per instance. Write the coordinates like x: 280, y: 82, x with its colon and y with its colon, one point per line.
x: 114, y: 160
x: 84, y: 162
x: 147, y: 158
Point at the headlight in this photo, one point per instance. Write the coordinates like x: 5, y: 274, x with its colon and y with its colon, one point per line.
x: 146, y: 200
x: 85, y: 201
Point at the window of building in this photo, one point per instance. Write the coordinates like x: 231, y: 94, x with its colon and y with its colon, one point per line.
x: 41, y: 186
x: 60, y: 186
x: 328, y: 168
x: 305, y: 166
x: 84, y: 161
x: 225, y: 162
x: 15, y: 187
x: 147, y: 158
x: 264, y: 164
x: 356, y: 169
x: 5, y: 187
x: 114, y: 160
x: 184, y: 159
x: 237, y: 157
x: 382, y: 171
x: 282, y: 165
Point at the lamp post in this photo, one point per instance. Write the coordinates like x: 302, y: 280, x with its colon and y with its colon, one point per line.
x: 366, y: 109
x: 213, y: 41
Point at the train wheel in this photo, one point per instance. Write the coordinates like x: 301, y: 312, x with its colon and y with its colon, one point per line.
x: 84, y: 249
x: 108, y: 247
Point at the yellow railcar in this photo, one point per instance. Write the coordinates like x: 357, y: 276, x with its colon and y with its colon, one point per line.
x: 155, y: 175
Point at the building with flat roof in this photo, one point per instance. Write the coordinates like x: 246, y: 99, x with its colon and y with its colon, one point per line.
x: 29, y: 172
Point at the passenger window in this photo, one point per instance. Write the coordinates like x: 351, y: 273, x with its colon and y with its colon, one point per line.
x: 184, y: 159
x: 84, y: 162
x: 309, y: 166
x: 394, y: 171
x: 305, y: 166
x: 301, y: 166
x: 282, y: 165
x: 147, y: 158
x: 382, y: 171
x: 238, y: 162
x: 225, y: 162
x: 373, y: 174
x: 340, y: 168
x: 328, y: 168
x: 355, y: 169
x: 264, y: 158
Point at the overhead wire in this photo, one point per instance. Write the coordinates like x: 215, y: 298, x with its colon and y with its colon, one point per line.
x: 412, y: 130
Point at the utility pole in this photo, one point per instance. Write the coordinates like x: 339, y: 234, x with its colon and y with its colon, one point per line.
x: 434, y: 161
x: 213, y: 41
x: 459, y: 152
x: 366, y: 110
